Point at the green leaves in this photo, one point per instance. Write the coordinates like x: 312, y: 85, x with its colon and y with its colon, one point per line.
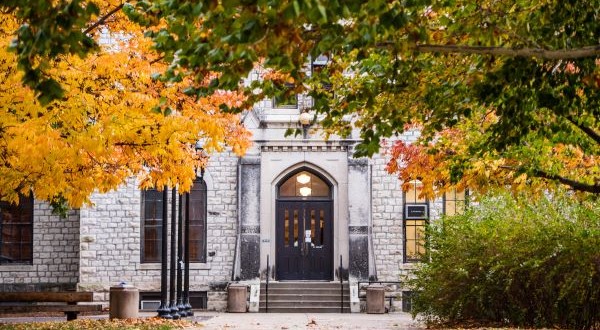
x: 513, y: 262
x: 47, y: 31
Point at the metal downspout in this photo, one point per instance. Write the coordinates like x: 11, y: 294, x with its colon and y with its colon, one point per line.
x: 238, y: 237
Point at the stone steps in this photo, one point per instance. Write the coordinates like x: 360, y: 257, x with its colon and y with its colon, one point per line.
x: 305, y: 297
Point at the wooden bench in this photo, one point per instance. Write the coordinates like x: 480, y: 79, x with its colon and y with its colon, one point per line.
x: 31, y: 302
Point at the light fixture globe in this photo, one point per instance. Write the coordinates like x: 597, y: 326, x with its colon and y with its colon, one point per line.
x: 305, y: 191
x: 303, y: 178
x: 305, y: 119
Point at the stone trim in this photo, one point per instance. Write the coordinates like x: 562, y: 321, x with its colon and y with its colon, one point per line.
x: 250, y: 229
x: 358, y: 230
x: 156, y: 266
x: 304, y: 148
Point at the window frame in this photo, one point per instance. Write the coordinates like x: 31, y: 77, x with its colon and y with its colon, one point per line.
x: 203, y: 189
x: 405, y: 220
x: 445, y: 199
x: 158, y: 217
x: 24, y: 202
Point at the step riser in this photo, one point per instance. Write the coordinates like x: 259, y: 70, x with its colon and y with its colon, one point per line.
x: 304, y: 285
x: 304, y: 297
x: 289, y: 291
x: 305, y: 310
x: 306, y: 304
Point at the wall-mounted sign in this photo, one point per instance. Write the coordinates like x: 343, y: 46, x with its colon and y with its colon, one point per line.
x: 416, y: 211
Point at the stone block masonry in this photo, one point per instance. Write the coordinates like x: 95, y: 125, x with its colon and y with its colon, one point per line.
x: 111, y: 238
x: 55, y: 264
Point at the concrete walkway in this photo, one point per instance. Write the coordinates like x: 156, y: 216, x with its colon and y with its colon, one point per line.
x: 273, y: 321
x: 285, y: 321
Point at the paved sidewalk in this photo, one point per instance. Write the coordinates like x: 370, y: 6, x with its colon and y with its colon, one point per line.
x: 273, y: 321
x: 290, y: 321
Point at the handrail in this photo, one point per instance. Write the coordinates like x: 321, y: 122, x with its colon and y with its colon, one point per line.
x: 267, y: 287
x: 341, y: 287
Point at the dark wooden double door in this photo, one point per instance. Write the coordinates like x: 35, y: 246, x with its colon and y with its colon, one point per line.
x: 304, y: 240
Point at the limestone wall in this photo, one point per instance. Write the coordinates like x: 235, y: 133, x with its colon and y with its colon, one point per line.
x: 111, y: 238
x: 55, y: 255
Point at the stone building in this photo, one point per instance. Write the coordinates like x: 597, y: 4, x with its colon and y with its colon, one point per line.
x: 301, y: 206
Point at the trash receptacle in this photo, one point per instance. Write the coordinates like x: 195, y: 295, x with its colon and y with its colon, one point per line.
x: 237, y: 295
x: 124, y: 301
x: 375, y: 299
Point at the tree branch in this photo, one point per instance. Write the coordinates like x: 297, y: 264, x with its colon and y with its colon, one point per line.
x: 576, y: 185
x: 103, y: 19
x: 587, y: 130
x: 574, y: 53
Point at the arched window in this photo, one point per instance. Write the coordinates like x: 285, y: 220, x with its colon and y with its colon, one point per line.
x: 16, y: 231
x: 304, y: 185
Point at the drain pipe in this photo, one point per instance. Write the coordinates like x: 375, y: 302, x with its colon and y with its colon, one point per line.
x: 370, y: 226
x: 238, y: 237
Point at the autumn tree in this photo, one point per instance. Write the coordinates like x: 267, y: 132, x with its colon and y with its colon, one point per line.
x: 503, y: 92
x: 71, y: 124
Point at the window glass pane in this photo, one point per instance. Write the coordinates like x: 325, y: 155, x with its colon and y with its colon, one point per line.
x: 286, y: 230
x: 152, y: 225
x: 304, y: 184
x: 16, y: 231
x: 295, y: 227
x: 455, y: 202
x: 321, y: 227
x: 198, y: 221
x: 312, y: 227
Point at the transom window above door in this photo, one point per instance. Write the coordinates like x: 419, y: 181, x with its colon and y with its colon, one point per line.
x: 304, y: 185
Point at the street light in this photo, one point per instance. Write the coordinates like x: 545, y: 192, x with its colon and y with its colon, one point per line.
x: 172, y: 304
x: 187, y: 307
x: 164, y: 311
x: 180, y: 304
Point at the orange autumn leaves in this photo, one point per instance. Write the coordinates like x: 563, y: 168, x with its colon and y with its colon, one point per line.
x: 112, y: 124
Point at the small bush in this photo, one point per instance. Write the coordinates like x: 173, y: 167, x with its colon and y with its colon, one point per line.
x: 514, y: 262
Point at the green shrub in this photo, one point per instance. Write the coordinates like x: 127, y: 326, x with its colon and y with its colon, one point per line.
x: 513, y: 262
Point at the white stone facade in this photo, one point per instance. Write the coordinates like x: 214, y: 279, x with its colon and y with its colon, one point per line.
x: 100, y: 246
x: 56, y: 252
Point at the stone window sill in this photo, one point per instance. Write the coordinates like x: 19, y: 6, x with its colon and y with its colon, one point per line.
x: 157, y: 266
x: 17, y: 268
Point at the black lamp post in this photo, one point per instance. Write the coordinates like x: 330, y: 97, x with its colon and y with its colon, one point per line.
x: 180, y: 305
x: 172, y: 304
x: 164, y: 311
x: 186, y: 275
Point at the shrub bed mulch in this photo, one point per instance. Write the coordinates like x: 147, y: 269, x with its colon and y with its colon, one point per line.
x: 153, y: 323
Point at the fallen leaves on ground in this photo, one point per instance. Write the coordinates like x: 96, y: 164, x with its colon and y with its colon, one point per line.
x: 89, y: 324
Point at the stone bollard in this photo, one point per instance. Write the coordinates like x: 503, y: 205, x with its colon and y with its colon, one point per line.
x: 236, y: 298
x: 124, y: 301
x: 375, y: 299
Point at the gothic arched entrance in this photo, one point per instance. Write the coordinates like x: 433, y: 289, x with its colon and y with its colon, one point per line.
x: 304, y: 227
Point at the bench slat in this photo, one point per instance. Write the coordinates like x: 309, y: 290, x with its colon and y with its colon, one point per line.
x: 49, y: 308
x: 68, y: 297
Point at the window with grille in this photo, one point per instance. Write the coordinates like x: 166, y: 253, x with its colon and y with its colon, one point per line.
x: 455, y: 202
x: 414, y: 225
x: 16, y: 231
x: 152, y: 214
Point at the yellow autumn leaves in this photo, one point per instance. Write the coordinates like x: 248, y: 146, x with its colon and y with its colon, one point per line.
x: 106, y: 129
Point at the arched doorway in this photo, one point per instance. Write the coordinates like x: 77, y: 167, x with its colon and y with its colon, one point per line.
x: 304, y: 227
